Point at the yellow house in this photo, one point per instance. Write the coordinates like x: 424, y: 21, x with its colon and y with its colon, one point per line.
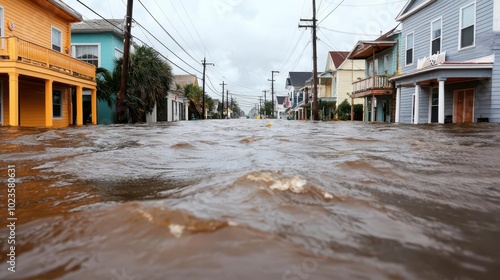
x: 40, y: 83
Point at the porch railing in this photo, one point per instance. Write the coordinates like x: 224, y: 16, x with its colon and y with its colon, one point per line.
x: 373, y: 82
x: 16, y: 49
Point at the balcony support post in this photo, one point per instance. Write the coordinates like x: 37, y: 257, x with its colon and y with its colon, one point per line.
x: 14, y: 99
x: 48, y: 104
x: 441, y: 101
x: 93, y: 95
x: 79, y: 105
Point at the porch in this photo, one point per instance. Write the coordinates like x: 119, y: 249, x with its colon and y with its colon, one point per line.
x: 38, y: 84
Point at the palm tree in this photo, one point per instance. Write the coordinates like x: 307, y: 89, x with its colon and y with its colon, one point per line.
x: 149, y: 80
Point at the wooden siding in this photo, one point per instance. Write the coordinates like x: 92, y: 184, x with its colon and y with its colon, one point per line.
x: 34, y: 24
x: 32, y: 103
x: 487, y: 42
x: 420, y: 25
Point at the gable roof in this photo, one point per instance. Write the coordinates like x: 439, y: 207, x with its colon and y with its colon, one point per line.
x: 412, y: 7
x: 281, y: 99
x: 99, y: 25
x: 365, y: 49
x: 60, y: 8
x: 298, y: 79
x: 184, y: 80
x: 338, y: 58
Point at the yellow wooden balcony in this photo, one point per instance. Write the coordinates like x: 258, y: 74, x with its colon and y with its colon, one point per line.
x: 18, y: 50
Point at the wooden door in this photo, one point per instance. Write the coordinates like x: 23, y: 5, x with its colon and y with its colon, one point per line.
x: 463, y: 106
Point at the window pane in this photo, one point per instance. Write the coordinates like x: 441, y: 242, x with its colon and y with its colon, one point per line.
x: 436, y: 29
x: 409, y: 56
x: 56, y: 104
x: 467, y: 37
x: 409, y: 41
x: 436, y: 46
x: 56, y: 39
x: 468, y: 16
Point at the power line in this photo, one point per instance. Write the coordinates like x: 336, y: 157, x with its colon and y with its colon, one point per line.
x: 331, y: 12
x: 135, y: 37
x: 163, y: 28
x: 349, y: 33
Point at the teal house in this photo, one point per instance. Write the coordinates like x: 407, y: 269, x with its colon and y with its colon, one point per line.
x: 379, y: 94
x: 98, y: 42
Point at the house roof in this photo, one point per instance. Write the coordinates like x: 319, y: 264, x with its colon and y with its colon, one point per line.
x: 281, y: 99
x: 412, y: 7
x: 184, y: 80
x: 298, y: 79
x: 366, y: 49
x: 60, y: 8
x: 338, y: 58
x: 99, y: 25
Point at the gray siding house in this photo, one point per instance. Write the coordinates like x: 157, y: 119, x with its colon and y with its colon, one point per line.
x: 450, y: 62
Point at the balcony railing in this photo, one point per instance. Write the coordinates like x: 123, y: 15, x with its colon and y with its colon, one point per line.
x: 16, y: 49
x: 372, y: 83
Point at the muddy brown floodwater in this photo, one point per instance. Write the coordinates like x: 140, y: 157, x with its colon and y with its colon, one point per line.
x: 239, y: 200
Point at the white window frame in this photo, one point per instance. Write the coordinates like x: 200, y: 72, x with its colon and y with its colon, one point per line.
x: 73, y: 50
x: 431, y: 93
x: 52, y: 38
x: 118, y: 50
x: 440, y: 38
x: 412, y: 49
x: 61, y: 100
x: 460, y: 26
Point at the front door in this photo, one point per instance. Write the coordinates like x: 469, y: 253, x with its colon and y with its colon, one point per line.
x: 435, y: 105
x: 463, y: 106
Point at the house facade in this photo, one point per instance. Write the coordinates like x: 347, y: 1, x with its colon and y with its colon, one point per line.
x: 40, y: 83
x: 336, y: 82
x: 381, y: 63
x: 450, y: 62
x: 296, y: 96
x: 98, y: 42
x: 280, y: 106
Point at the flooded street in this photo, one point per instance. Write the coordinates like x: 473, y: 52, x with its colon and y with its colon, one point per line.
x: 238, y: 200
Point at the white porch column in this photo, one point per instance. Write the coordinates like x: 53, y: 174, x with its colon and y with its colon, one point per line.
x: 398, y: 104
x: 186, y: 109
x: 417, y: 105
x: 441, y: 100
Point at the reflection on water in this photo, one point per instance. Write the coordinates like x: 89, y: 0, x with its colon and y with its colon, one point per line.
x: 240, y: 200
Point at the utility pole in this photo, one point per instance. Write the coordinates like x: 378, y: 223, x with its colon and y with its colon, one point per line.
x: 265, y: 101
x: 227, y: 103
x: 314, y: 27
x: 260, y: 105
x: 272, y: 91
x: 120, y: 110
x: 204, y: 68
x: 222, y: 111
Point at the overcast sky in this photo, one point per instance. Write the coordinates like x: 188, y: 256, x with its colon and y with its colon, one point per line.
x: 247, y: 39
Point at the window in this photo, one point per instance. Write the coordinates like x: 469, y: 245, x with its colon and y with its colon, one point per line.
x: 409, y: 49
x: 87, y: 53
x: 1, y: 22
x: 386, y: 64
x: 56, y: 39
x: 118, y: 53
x: 467, y: 26
x: 56, y: 104
x: 436, y: 35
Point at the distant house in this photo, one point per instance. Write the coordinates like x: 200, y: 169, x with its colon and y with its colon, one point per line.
x: 450, y: 62
x: 98, y: 42
x: 177, y: 102
x: 295, y: 97
x: 335, y: 84
x: 40, y: 83
x: 280, y: 106
x: 381, y: 63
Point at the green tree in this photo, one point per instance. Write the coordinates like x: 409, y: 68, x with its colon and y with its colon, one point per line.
x: 195, y: 95
x: 266, y: 109
x: 149, y: 79
x: 344, y: 110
